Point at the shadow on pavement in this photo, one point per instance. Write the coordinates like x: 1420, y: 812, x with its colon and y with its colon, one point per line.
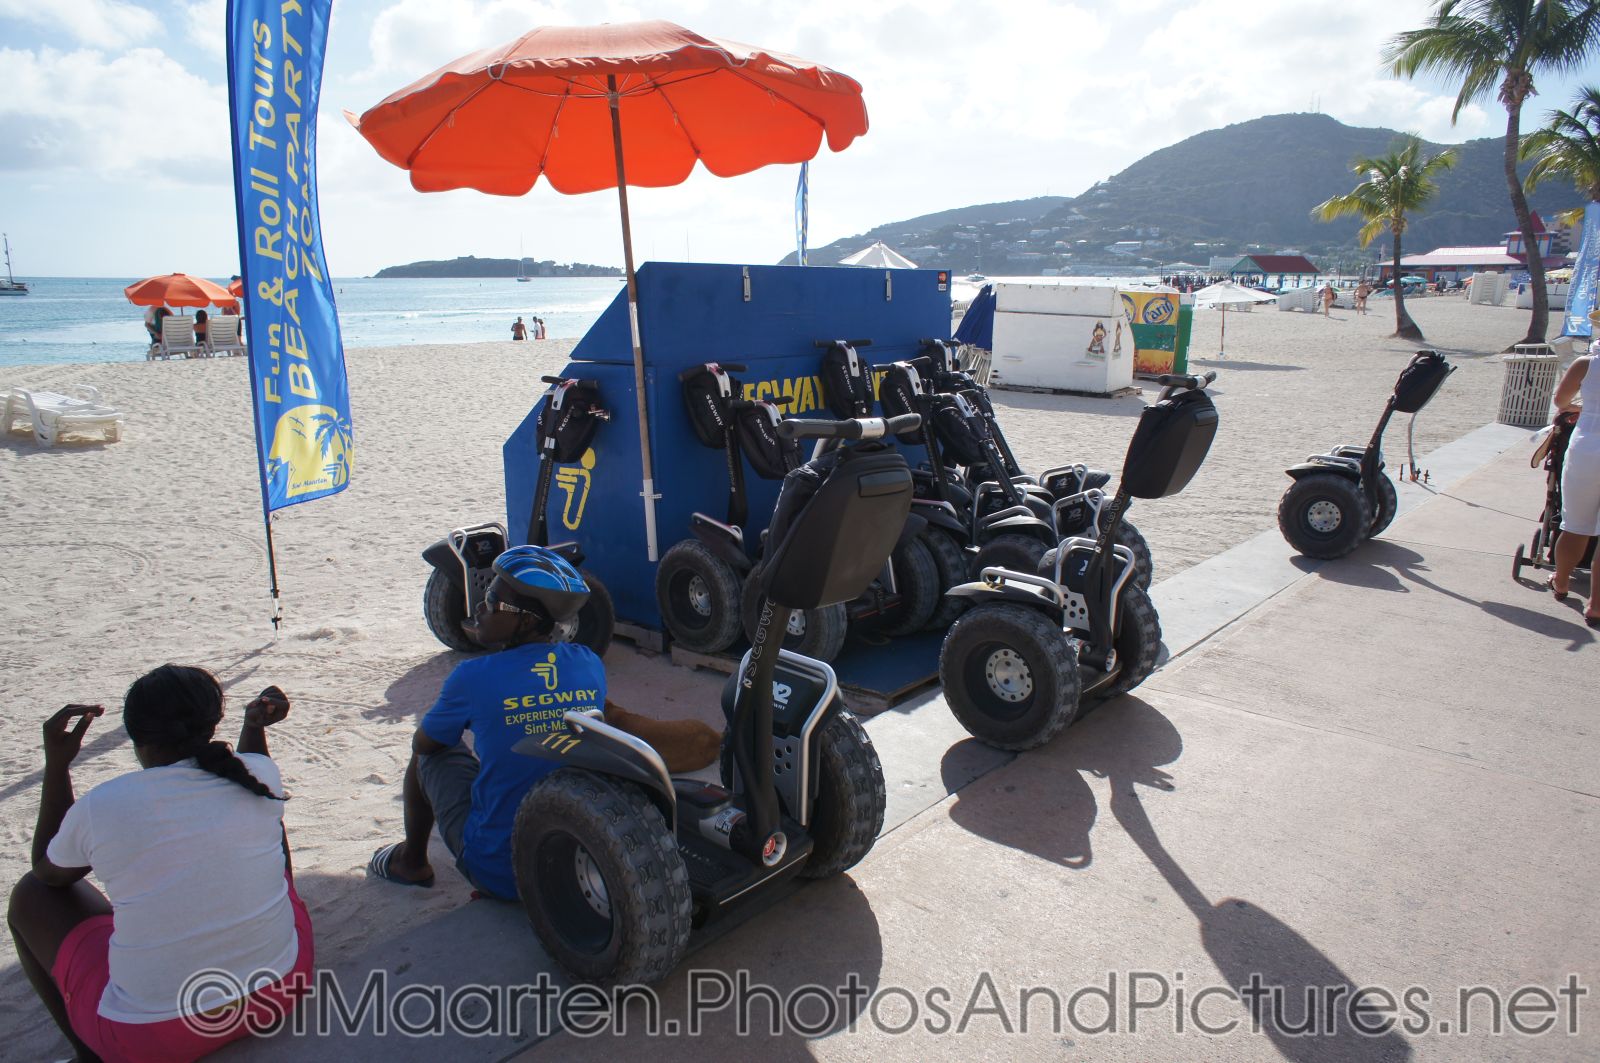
x: 1302, y: 1003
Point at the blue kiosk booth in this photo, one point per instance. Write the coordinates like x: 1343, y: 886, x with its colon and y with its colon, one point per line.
x: 765, y: 317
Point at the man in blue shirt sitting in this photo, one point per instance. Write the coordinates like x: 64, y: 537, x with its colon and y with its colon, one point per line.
x: 525, y: 688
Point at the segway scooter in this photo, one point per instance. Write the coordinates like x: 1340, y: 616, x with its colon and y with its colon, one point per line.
x: 615, y: 860
x: 1071, y: 497
x: 1036, y: 648
x: 463, y: 561
x: 1343, y: 498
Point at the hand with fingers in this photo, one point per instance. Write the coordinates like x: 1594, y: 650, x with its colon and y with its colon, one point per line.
x: 269, y: 707
x: 63, y: 737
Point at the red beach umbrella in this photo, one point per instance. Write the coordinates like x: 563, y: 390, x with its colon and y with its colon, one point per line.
x: 177, y: 289
x: 596, y: 107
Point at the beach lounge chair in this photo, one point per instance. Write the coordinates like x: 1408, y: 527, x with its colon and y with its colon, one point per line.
x: 222, y: 336
x: 177, y: 340
x: 53, y: 414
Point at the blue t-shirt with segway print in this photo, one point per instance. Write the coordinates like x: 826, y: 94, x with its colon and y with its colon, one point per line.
x: 503, y: 698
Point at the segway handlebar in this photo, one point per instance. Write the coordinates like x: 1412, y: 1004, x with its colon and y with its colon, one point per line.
x: 847, y: 343
x: 732, y: 367
x: 1186, y: 380
x: 855, y: 428
x: 595, y: 384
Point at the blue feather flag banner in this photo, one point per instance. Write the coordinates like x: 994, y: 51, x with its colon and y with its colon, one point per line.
x: 1581, y: 296
x: 802, y: 217
x: 304, y: 441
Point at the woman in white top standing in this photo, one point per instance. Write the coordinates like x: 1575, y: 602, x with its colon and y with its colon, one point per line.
x: 1580, y: 476
x: 199, y: 938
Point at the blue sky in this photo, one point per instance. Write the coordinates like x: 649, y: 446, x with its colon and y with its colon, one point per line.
x: 114, y: 155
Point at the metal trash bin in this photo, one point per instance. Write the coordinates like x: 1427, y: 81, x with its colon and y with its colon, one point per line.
x: 1529, y: 385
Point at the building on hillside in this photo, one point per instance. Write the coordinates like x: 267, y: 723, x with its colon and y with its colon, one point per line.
x: 1278, y: 271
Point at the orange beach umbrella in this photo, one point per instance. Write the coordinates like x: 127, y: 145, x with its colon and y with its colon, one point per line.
x: 596, y: 107
x: 177, y: 289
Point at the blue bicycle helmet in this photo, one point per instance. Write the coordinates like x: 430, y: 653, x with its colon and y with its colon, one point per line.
x: 532, y: 579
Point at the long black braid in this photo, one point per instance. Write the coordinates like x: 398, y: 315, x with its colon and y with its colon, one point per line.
x: 176, y: 708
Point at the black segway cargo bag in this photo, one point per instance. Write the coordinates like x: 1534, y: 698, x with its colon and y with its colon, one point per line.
x: 1419, y: 380
x: 959, y: 432
x: 769, y: 454
x: 567, y: 423
x: 837, y: 520
x: 846, y: 383
x: 1170, y: 443
x: 708, y: 393
x: 901, y: 392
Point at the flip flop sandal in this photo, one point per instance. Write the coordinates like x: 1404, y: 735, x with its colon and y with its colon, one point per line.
x: 1550, y: 585
x: 378, y: 867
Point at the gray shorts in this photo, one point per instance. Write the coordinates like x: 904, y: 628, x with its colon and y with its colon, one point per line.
x: 447, y: 777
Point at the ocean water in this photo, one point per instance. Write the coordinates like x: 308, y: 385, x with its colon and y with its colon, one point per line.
x: 78, y: 319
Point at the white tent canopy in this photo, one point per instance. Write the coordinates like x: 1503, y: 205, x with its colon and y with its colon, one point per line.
x: 1230, y: 294
x: 879, y: 256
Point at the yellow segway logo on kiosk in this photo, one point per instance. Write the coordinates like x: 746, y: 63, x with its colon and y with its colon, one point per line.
x: 575, y: 482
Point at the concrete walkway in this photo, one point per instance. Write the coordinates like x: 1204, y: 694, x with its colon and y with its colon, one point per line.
x: 1373, y: 774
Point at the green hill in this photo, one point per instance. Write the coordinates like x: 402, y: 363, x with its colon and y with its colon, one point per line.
x: 1244, y: 187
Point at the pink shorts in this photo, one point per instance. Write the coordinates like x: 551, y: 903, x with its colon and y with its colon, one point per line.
x: 82, y: 969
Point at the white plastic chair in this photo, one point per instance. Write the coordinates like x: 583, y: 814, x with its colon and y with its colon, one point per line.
x: 53, y: 414
x: 177, y: 338
x: 222, y: 335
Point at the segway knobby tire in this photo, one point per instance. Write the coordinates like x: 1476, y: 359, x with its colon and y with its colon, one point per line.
x: 916, y: 579
x: 597, y: 620
x: 1010, y: 675
x: 817, y: 633
x: 1324, y: 515
x: 601, y: 879
x: 1144, y: 567
x: 698, y: 595
x: 847, y: 814
x: 951, y: 561
x: 1517, y: 561
x: 1388, y: 504
x: 444, y: 607
x: 1137, y: 641
x: 1020, y: 553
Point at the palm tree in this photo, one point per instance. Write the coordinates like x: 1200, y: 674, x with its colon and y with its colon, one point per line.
x: 1484, y: 42
x: 1396, y: 184
x: 1569, y: 146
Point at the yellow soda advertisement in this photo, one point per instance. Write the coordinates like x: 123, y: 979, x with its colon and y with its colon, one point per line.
x: 1153, y: 320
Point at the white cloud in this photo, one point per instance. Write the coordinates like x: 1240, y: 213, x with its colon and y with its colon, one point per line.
x: 99, y: 23
x: 139, y: 114
x: 205, y: 25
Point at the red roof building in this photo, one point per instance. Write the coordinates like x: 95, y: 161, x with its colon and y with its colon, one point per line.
x: 1291, y: 271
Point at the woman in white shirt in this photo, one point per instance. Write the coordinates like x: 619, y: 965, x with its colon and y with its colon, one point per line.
x: 199, y: 937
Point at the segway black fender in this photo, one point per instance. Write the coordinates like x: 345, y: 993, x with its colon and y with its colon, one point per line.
x: 607, y: 752
x: 720, y: 540
x: 1314, y: 468
x: 914, y: 526
x: 441, y: 557
x: 980, y: 592
x: 942, y: 518
x: 1018, y: 523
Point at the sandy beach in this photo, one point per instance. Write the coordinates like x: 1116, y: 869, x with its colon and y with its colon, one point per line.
x: 115, y: 558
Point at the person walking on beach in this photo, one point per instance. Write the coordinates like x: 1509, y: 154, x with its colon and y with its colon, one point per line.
x: 195, y: 863
x: 538, y: 328
x: 1363, y: 290
x: 1580, y: 477
x: 519, y: 331
x: 1329, y: 296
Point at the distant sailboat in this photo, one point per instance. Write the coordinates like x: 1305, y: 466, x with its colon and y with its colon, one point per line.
x: 11, y: 286
x: 522, y: 276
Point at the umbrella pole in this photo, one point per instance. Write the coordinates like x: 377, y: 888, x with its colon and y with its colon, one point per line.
x: 649, y: 490
x: 1222, y: 340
